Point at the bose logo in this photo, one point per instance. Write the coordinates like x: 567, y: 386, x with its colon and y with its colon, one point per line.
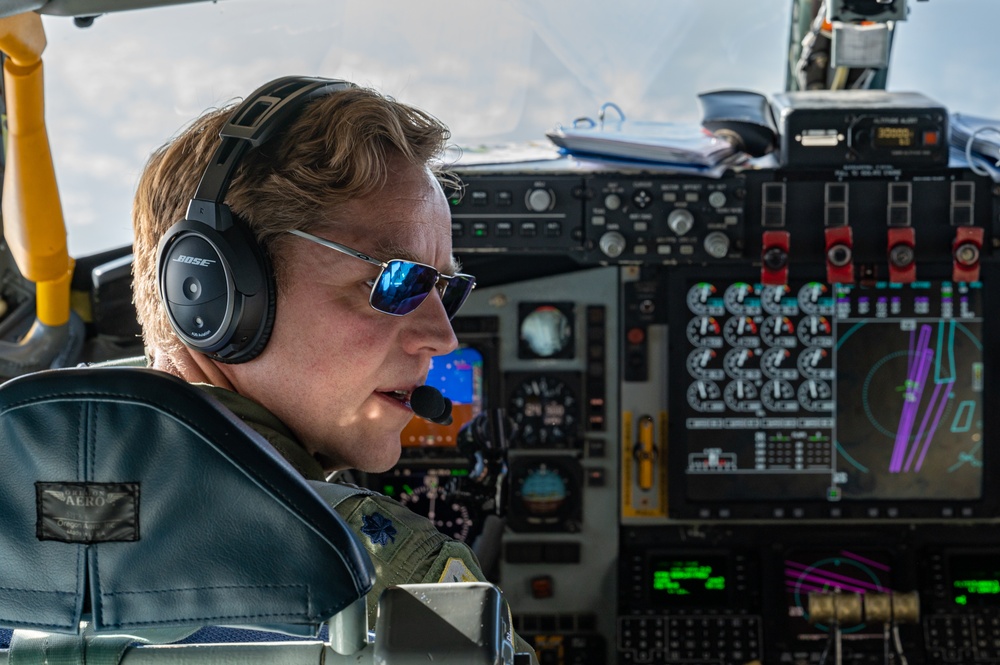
x: 194, y: 260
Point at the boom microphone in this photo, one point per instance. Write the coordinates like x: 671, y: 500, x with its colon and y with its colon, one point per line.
x: 428, y: 403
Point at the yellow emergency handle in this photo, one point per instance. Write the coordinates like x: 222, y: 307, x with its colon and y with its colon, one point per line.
x: 646, y: 452
x: 32, y: 213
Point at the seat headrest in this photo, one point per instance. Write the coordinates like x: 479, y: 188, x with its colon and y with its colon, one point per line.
x: 143, y: 492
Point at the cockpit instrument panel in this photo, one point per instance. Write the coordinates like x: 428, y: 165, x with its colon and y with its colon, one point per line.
x: 828, y: 400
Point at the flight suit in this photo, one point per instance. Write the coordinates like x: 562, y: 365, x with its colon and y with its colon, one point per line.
x: 405, y: 548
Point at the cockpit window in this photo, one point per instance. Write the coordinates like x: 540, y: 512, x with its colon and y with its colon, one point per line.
x: 494, y: 71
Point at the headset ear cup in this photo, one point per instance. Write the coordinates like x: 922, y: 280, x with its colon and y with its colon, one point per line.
x: 216, y: 282
x: 217, y: 289
x: 266, y: 324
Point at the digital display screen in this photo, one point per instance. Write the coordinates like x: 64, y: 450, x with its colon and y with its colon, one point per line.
x: 894, y: 136
x: 832, y: 393
x: 459, y: 377
x: 431, y: 493
x: 689, y: 581
x: 974, y: 579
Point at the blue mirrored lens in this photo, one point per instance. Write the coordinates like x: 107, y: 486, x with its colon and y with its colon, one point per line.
x: 402, y: 286
x: 455, y: 293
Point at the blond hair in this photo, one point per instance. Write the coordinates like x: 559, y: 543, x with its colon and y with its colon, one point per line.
x: 337, y: 149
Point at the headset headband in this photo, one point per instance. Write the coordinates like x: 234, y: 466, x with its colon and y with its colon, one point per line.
x: 216, y: 282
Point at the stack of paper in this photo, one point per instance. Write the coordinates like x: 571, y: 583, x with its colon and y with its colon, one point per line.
x: 662, y: 142
x: 986, y: 130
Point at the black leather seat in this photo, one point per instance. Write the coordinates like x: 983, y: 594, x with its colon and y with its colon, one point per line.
x: 137, y: 511
x: 133, y: 500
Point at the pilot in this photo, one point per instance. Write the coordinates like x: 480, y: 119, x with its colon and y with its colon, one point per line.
x: 346, y: 205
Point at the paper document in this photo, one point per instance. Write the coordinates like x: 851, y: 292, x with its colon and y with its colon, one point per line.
x: 663, y: 142
x: 987, y: 134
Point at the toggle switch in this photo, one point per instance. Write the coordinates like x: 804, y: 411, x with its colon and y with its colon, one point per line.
x: 902, y: 255
x: 839, y: 255
x: 966, y: 251
x: 774, y: 258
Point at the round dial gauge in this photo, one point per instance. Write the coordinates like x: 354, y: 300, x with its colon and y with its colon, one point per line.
x: 777, y: 299
x: 546, y: 331
x: 544, y: 409
x: 779, y: 395
x: 741, y: 299
x: 703, y: 363
x: 704, y: 331
x: 741, y: 331
x: 544, y: 495
x: 705, y: 396
x: 701, y: 298
x: 816, y: 395
x: 815, y: 298
x: 815, y: 330
x: 740, y: 363
x: 778, y: 331
x: 741, y: 395
x: 815, y: 363
x: 777, y: 363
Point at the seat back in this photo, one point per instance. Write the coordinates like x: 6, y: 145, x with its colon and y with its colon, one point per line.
x: 135, y: 500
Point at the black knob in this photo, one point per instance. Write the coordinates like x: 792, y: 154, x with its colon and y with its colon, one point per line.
x: 839, y: 255
x: 775, y: 258
x: 901, y: 255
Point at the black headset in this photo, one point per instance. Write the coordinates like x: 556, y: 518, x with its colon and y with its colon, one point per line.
x: 215, y: 280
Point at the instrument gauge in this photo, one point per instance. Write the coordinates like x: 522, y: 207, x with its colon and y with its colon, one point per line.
x: 741, y: 331
x: 545, y: 409
x: 741, y: 395
x: 430, y: 492
x: 777, y: 363
x: 432, y: 500
x: 741, y: 363
x: 545, y: 494
x: 815, y: 298
x: 704, y: 331
x: 741, y: 299
x: 705, y: 396
x: 815, y: 363
x: 546, y: 331
x: 779, y: 396
x: 815, y: 330
x: 702, y: 299
x: 816, y: 395
x: 777, y: 299
x: 703, y: 363
x: 778, y: 330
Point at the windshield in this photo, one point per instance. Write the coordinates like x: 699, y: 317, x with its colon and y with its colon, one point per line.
x: 494, y: 70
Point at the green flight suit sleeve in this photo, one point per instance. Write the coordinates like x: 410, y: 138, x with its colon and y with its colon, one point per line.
x: 406, y: 548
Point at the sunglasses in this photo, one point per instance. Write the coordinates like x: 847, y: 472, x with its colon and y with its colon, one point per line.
x: 402, y: 285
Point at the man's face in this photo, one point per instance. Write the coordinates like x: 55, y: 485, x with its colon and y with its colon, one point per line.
x: 333, y: 363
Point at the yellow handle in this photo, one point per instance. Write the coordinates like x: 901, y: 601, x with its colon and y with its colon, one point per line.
x: 645, y: 452
x: 32, y: 213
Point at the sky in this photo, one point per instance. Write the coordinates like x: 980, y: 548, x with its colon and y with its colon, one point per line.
x: 493, y: 70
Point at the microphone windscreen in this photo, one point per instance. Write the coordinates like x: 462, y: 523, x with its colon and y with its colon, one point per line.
x: 445, y: 417
x: 428, y: 403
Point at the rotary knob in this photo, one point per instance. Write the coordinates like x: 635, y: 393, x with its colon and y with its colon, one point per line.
x: 680, y: 221
x: 539, y: 199
x: 612, y: 244
x: 717, y: 244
